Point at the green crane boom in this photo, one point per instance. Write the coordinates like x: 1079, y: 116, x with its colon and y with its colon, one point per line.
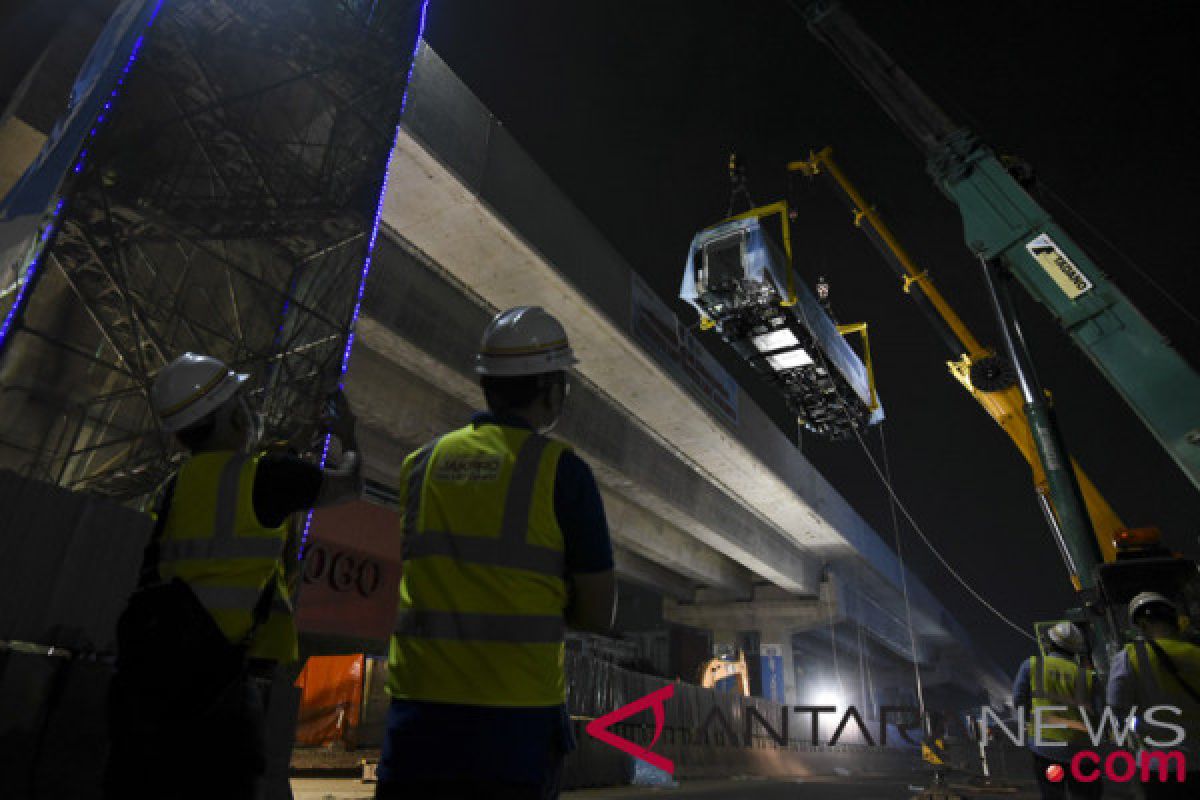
x: 1004, y: 224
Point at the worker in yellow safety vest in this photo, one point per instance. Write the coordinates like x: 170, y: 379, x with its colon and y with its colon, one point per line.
x: 212, y: 618
x: 1160, y: 668
x: 505, y: 543
x: 1055, y: 691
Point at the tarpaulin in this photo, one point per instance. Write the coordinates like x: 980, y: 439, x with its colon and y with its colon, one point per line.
x: 331, y: 696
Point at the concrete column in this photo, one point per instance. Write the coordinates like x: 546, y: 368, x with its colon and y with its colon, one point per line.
x: 779, y: 640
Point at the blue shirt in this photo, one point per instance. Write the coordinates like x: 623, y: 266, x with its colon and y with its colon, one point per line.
x: 1023, y: 698
x: 433, y: 740
x: 1124, y: 696
x: 1122, y: 691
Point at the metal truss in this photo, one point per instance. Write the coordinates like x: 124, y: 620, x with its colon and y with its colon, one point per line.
x: 226, y: 208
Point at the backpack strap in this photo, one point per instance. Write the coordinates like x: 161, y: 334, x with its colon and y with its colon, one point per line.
x: 149, y: 575
x: 1172, y: 669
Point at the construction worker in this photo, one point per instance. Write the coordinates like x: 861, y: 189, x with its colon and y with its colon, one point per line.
x: 1160, y: 668
x: 200, y: 639
x: 505, y: 542
x: 1055, y: 679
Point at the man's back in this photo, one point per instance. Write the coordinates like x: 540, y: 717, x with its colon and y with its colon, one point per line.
x: 504, y: 521
x: 483, y: 593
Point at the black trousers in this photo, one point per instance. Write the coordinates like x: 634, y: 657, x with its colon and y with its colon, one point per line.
x: 167, y: 751
x: 452, y: 789
x: 1068, y: 787
x: 1170, y: 790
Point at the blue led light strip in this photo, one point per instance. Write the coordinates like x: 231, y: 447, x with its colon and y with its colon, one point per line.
x: 366, y: 268
x: 18, y: 306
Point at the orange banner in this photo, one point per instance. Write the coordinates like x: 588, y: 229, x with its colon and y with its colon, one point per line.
x: 331, y: 697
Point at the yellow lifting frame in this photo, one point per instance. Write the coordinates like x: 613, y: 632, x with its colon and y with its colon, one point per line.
x: 779, y: 207
x: 861, y: 329
x: 1006, y: 407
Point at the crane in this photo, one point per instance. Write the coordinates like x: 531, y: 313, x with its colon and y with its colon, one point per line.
x: 1003, y: 223
x: 1015, y: 238
x: 985, y: 375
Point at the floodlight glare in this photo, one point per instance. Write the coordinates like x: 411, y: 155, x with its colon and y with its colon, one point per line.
x: 790, y: 359
x: 776, y: 340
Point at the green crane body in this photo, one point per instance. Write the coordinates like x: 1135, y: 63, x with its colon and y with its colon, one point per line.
x: 1002, y: 221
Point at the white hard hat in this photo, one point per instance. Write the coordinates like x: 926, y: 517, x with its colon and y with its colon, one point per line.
x: 1067, y: 636
x: 1149, y: 598
x: 523, y: 341
x: 190, y: 388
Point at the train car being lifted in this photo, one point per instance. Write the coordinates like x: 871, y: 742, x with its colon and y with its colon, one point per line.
x: 743, y: 286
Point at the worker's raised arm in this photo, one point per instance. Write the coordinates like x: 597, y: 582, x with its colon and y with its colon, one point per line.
x: 286, y: 484
x: 344, y: 482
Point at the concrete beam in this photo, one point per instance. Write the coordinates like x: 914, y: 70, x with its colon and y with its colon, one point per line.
x: 470, y: 199
x: 466, y: 197
x: 768, y: 610
x: 19, y: 146
x: 418, y: 318
x: 644, y: 572
x: 404, y: 397
x: 654, y: 539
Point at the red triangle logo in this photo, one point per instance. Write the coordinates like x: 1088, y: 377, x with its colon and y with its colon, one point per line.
x: 599, y: 727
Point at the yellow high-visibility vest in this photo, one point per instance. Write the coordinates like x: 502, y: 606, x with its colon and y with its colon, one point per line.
x: 213, y: 541
x: 483, y: 593
x: 1157, y: 686
x: 1058, y: 681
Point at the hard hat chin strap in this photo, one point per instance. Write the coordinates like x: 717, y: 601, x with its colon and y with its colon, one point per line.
x: 254, y: 423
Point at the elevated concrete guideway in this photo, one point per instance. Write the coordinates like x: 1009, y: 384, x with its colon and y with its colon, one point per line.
x: 709, y: 502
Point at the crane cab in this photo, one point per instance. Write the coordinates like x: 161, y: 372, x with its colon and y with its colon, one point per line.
x: 1144, y: 564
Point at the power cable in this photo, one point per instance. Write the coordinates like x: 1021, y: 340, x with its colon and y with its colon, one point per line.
x: 937, y: 554
x: 885, y: 478
x: 933, y: 549
x: 1094, y: 231
x: 962, y: 113
x: 864, y: 697
x: 892, y: 502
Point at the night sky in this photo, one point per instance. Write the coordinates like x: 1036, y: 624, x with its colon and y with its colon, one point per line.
x: 632, y: 109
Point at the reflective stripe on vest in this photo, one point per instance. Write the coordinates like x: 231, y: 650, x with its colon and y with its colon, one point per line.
x: 1056, y: 681
x: 509, y: 549
x: 1080, y: 690
x: 217, y: 548
x: 213, y: 540
x: 479, y: 627
x: 1156, y: 685
x: 480, y: 617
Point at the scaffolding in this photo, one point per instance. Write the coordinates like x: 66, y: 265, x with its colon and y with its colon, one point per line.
x: 228, y: 206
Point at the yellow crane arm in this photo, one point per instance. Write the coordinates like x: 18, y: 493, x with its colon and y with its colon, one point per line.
x: 1004, y: 406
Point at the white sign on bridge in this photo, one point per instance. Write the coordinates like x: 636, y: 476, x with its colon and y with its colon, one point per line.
x: 675, y: 346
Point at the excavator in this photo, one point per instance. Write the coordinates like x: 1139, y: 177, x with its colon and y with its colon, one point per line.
x: 727, y: 672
